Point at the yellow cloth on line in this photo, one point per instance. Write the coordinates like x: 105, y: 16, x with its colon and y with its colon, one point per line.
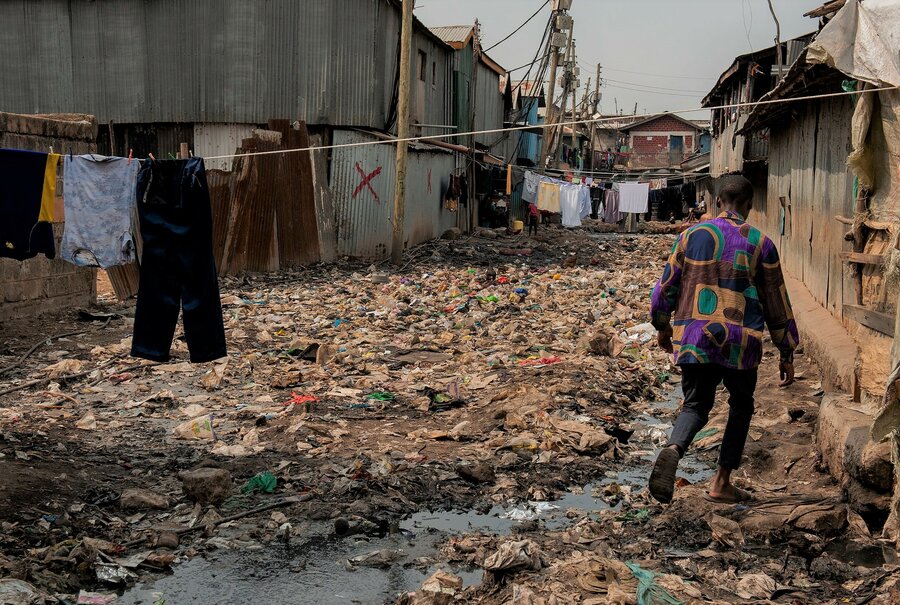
x: 48, y: 195
x: 548, y: 197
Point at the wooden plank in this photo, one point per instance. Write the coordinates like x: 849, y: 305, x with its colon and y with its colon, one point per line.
x: 862, y: 258
x: 876, y: 320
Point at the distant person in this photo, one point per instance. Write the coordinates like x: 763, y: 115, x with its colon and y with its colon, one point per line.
x: 533, y: 218
x: 723, y: 284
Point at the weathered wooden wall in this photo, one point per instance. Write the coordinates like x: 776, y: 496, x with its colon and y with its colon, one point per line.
x: 808, y: 168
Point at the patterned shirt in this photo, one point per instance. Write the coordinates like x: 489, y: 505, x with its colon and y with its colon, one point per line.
x: 723, y: 283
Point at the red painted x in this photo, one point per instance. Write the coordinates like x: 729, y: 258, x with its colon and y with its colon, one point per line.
x: 366, y: 181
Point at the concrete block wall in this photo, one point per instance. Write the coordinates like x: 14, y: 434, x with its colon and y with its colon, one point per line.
x: 39, y: 285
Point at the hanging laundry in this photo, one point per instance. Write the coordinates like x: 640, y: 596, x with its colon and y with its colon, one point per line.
x: 570, y: 201
x: 584, y: 202
x: 633, y: 197
x: 99, y: 205
x: 611, y: 212
x: 451, y: 198
x: 177, y: 267
x: 27, y: 197
x: 532, y: 183
x: 548, y: 197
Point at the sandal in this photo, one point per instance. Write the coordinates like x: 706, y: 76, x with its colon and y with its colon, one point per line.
x: 662, y: 479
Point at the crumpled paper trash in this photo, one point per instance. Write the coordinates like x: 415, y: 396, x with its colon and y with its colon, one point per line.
x: 515, y: 556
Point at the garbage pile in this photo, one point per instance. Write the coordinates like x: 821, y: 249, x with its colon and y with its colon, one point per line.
x: 488, y: 370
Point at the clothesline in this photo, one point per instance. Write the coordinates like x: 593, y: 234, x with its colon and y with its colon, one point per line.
x: 436, y: 137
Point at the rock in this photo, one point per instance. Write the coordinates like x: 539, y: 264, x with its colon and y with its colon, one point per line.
x: 207, y: 485
x: 142, y: 499
x: 818, y: 521
x: 570, y: 262
x: 452, y: 233
x: 725, y: 531
x: 479, y: 472
x: 166, y: 539
x: 487, y: 233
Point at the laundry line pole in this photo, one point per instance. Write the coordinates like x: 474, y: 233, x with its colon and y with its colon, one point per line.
x: 406, y: 30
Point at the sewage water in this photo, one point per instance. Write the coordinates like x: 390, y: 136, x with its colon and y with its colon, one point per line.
x: 317, y: 572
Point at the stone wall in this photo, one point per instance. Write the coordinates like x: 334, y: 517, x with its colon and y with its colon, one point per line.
x: 39, y: 285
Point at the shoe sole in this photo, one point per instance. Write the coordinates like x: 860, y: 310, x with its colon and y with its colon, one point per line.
x: 662, y: 479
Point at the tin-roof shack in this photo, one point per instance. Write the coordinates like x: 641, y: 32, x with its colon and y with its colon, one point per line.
x: 226, y: 75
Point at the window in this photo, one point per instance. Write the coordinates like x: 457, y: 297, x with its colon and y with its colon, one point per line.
x: 423, y: 65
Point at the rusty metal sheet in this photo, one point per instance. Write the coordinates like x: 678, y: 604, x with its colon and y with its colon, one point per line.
x: 264, y: 210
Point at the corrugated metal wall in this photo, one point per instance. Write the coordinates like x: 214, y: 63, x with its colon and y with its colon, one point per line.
x: 489, y: 110
x: 227, y: 61
x: 362, y: 184
x: 219, y: 139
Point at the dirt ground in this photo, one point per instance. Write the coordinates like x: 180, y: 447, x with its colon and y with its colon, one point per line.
x: 509, y: 385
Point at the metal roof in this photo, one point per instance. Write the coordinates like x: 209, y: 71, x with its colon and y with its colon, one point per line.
x: 221, y: 61
x: 456, y: 36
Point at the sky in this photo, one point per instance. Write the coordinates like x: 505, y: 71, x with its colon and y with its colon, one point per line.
x: 673, y: 51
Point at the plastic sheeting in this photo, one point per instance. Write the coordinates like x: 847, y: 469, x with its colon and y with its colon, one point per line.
x: 862, y: 41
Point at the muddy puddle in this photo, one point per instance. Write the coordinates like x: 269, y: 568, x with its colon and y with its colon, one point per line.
x: 321, y: 570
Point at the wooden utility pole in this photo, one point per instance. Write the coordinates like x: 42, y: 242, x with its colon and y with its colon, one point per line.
x: 574, y: 88
x: 548, y: 119
x: 570, y: 81
x: 596, y: 105
x: 778, y: 58
x: 406, y: 32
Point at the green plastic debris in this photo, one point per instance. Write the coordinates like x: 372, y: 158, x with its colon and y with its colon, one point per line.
x: 636, y: 515
x: 649, y: 592
x: 381, y: 396
x: 704, y: 434
x: 263, y: 482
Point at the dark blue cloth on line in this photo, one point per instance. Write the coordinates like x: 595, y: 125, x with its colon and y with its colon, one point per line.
x: 178, y: 270
x: 22, y: 234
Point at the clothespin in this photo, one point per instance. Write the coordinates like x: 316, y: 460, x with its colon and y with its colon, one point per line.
x: 151, y: 157
x: 172, y: 156
x: 70, y: 153
x: 130, y: 152
x: 51, y: 148
x: 191, y: 152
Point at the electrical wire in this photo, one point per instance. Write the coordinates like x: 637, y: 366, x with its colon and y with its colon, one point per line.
x: 515, y: 31
x: 452, y: 135
x: 654, y: 92
x: 644, y: 73
x: 652, y: 86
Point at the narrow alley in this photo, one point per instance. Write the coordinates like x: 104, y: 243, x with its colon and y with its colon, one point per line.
x: 398, y: 302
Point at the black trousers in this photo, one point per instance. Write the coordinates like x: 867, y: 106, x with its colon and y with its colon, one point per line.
x: 532, y: 224
x: 177, y: 266
x: 699, y: 382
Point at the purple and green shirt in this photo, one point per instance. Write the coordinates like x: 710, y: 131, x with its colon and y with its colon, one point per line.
x: 720, y: 288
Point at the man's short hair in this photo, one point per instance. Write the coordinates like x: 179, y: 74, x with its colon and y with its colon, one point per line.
x: 735, y: 189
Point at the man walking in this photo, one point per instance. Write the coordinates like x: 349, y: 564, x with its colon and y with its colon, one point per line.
x: 723, y: 283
